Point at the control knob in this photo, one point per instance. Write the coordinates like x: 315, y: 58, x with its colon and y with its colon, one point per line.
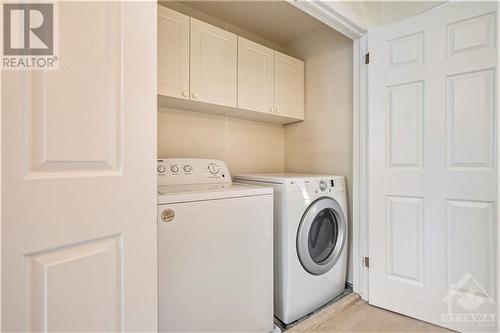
x: 323, y: 185
x: 187, y: 168
x: 213, y: 168
x: 161, y: 168
x: 174, y: 168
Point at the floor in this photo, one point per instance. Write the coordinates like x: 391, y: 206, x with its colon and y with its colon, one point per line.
x: 351, y: 314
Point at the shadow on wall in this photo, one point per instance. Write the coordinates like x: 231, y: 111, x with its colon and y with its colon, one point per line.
x: 246, y: 146
x: 323, y: 142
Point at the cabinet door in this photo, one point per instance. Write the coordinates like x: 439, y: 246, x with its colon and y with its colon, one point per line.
x: 289, y: 86
x: 255, y: 76
x: 173, y: 53
x: 213, y: 64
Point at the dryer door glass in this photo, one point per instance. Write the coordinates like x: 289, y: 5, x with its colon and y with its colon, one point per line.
x: 321, y: 236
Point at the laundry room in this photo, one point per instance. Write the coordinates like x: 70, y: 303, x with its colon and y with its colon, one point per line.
x: 318, y: 141
x: 261, y: 146
x: 249, y: 166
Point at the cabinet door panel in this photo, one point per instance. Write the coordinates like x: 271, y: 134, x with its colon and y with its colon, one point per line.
x: 173, y: 53
x: 255, y: 76
x: 213, y: 64
x: 289, y: 86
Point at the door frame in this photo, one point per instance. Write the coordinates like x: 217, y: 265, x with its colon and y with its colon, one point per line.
x: 345, y: 21
x: 1, y: 34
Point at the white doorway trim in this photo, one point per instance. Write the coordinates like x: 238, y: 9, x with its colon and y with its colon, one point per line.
x: 360, y: 167
x: 335, y: 15
x: 1, y: 34
x: 342, y: 19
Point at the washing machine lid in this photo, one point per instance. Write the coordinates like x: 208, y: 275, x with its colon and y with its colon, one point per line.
x: 200, y: 192
x: 282, y: 178
x: 321, y: 236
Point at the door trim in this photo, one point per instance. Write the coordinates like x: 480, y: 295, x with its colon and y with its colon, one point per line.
x: 1, y: 32
x: 360, y: 168
x: 335, y: 15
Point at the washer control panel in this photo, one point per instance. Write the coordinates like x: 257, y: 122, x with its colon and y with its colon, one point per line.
x: 181, y: 171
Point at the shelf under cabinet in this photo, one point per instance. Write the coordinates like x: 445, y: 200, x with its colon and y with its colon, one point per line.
x: 190, y: 105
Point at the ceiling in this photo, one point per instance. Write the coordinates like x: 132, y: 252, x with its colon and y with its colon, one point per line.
x: 277, y: 21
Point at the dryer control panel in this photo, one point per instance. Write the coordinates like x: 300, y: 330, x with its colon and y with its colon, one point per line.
x: 322, y: 184
x: 311, y: 187
x: 183, y: 171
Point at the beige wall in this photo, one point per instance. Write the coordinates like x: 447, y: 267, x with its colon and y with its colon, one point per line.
x: 246, y: 146
x: 322, y: 143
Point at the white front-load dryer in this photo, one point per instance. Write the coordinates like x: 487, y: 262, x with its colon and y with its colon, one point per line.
x: 310, y: 240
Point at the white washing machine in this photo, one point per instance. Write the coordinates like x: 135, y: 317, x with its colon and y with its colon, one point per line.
x: 310, y: 240
x: 215, y: 250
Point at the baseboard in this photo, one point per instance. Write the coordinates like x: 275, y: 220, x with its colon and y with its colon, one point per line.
x: 340, y: 303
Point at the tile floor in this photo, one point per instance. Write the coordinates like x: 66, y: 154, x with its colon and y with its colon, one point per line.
x: 351, y: 314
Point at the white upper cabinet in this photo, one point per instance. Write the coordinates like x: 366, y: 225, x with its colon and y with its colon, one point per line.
x: 173, y: 53
x: 255, y: 76
x: 228, y: 74
x: 213, y: 64
x: 289, y: 86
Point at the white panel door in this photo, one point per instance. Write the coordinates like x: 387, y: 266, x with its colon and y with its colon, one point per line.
x: 214, y: 55
x: 289, y: 86
x: 255, y: 76
x: 173, y: 53
x: 433, y: 166
x: 78, y: 180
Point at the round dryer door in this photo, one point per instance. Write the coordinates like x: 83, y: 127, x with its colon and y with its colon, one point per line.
x: 321, y: 236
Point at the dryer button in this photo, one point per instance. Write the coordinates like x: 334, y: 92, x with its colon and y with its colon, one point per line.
x: 323, y: 185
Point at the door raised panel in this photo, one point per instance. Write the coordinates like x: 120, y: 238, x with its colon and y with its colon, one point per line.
x: 173, y: 53
x: 69, y: 130
x: 470, y: 238
x: 79, y: 253
x: 405, y: 242
x: 406, y: 50
x: 213, y: 64
x: 289, y: 86
x: 255, y: 76
x: 405, y: 125
x: 471, y: 35
x: 69, y: 285
x: 432, y: 164
x: 471, y: 121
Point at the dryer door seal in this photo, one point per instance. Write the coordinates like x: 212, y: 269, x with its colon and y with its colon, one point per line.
x: 321, y: 236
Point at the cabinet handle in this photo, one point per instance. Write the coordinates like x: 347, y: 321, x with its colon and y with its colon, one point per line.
x: 277, y: 110
x: 271, y: 110
x: 195, y: 96
x: 185, y: 94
